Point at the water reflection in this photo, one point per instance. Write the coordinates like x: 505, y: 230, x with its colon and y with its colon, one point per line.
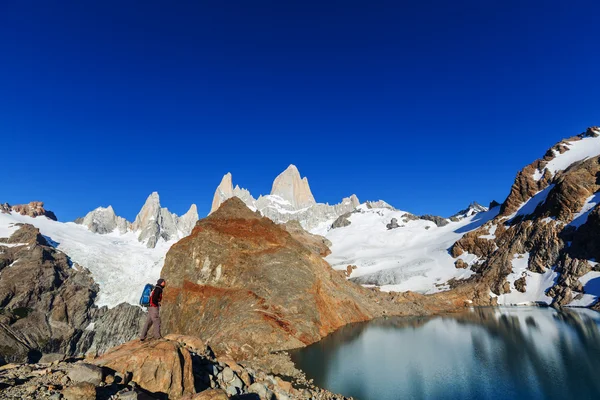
x: 519, y: 353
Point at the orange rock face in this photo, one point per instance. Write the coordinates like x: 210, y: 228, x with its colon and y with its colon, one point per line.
x: 246, y: 285
x: 157, y: 366
x: 33, y: 209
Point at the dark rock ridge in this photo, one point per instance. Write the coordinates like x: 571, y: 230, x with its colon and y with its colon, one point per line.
x: 238, y: 269
x: 33, y: 209
x: 342, y: 221
x: 547, y: 232
x: 439, y: 221
x: 47, y: 302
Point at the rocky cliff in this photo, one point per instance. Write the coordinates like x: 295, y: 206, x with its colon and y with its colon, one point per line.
x: 152, y: 223
x: 293, y: 189
x: 546, y: 233
x: 47, y: 303
x: 290, y: 200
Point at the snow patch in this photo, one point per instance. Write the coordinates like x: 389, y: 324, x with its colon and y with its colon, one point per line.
x: 530, y: 205
x: 578, y: 150
x: 581, y: 217
x: 591, y: 286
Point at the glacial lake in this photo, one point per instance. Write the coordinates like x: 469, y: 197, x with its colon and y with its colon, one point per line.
x: 489, y: 353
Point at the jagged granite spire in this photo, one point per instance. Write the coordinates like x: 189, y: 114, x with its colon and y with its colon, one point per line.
x: 291, y: 187
x: 152, y: 222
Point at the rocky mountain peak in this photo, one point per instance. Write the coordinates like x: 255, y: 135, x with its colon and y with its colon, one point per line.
x: 104, y: 220
x: 152, y: 222
x: 224, y: 191
x: 292, y: 188
x: 472, y: 209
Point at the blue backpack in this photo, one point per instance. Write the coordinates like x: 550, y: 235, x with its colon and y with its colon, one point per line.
x: 145, y: 299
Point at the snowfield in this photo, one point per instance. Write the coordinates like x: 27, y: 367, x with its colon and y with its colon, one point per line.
x: 119, y: 264
x: 412, y: 257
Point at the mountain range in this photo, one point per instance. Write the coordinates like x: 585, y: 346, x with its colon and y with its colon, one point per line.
x: 540, y: 246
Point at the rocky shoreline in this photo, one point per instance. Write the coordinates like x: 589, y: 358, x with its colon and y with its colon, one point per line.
x: 136, y: 370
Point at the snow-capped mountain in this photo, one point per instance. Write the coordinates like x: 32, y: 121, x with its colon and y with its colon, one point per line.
x: 151, y: 224
x: 411, y: 256
x: 119, y: 263
x: 290, y: 200
x: 540, y: 246
x: 474, y: 208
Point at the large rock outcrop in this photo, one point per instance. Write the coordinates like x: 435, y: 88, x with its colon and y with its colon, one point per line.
x: 32, y: 209
x: 152, y: 223
x: 247, y: 286
x: 46, y: 303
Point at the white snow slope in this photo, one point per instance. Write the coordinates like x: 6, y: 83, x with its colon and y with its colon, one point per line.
x: 412, y: 257
x: 120, y: 265
x: 579, y: 150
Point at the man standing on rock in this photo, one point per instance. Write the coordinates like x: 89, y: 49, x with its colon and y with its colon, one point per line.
x: 153, y: 311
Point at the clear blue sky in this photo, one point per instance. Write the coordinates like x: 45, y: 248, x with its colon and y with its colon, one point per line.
x: 425, y: 104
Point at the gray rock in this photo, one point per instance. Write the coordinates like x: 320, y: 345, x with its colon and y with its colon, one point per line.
x: 46, y: 302
x: 86, y: 373
x: 114, y: 327
x: 393, y: 224
x: 439, y: 221
x: 227, y: 375
x: 342, y: 221
x: 261, y: 390
x: 51, y: 357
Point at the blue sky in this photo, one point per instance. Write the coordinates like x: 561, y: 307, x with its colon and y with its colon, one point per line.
x: 426, y: 104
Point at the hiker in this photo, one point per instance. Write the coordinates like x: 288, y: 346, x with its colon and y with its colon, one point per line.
x: 153, y: 311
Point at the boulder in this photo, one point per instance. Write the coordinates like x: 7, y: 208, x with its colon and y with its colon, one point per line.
x: 393, y: 224
x: 210, y: 394
x: 159, y: 366
x: 341, y: 221
x: 86, y: 373
x: 80, y: 391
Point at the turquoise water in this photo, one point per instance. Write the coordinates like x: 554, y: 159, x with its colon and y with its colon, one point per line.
x: 494, y: 353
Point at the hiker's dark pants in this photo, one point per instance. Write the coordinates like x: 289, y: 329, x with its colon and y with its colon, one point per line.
x: 154, y: 320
